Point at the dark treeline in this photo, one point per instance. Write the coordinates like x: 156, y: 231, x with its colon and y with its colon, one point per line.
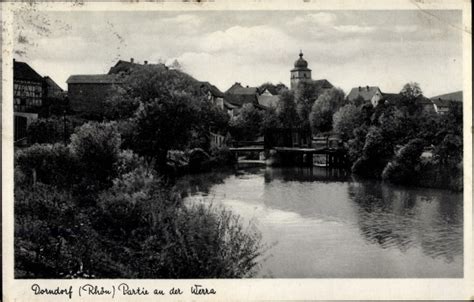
x: 385, y: 142
x: 94, y: 198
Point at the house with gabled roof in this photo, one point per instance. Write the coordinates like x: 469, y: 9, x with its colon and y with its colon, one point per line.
x: 213, y: 94
x: 267, y: 100
x: 238, y: 95
x: 371, y: 94
x: 52, y: 89
x: 443, y: 102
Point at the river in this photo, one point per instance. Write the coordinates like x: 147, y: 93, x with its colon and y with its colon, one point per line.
x: 320, y: 223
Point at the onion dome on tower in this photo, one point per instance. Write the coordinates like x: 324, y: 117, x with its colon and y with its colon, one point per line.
x: 301, y: 63
x: 301, y: 72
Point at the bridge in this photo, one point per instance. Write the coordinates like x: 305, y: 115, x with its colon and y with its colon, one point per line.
x: 294, y: 149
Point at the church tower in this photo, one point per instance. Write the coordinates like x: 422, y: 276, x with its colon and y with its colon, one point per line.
x: 300, y: 73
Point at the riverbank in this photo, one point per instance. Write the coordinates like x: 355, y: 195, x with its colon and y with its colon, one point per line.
x: 323, y: 224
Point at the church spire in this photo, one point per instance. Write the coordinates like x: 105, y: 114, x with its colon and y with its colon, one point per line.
x: 301, y: 54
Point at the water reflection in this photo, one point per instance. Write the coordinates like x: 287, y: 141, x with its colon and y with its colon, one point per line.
x: 407, y: 217
x: 328, y: 224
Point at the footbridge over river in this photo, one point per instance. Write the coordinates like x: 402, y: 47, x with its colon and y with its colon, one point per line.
x: 293, y: 148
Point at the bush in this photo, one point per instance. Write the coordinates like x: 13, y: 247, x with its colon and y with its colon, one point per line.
x: 53, y: 239
x: 199, y: 160
x: 49, y: 164
x: 376, y: 153
x: 51, y: 130
x: 405, y: 167
x: 96, y: 147
x: 138, y: 229
x: 222, y: 156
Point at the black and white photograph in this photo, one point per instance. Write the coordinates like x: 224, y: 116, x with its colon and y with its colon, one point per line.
x: 237, y: 143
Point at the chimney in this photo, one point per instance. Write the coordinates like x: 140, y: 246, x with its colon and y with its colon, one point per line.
x: 360, y: 88
x: 145, y: 62
x: 367, y: 87
x: 131, y: 60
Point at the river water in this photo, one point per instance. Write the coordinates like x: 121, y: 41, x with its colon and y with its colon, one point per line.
x: 320, y: 223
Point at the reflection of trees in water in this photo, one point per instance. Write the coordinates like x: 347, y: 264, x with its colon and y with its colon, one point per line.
x: 200, y: 183
x: 405, y: 217
x: 305, y: 174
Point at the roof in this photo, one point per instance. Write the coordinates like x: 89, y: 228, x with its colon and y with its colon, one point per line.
x: 93, y: 79
x: 366, y: 93
x: 52, y: 83
x: 122, y: 66
x: 301, y: 64
x: 271, y: 89
x: 240, y: 99
x: 237, y: 88
x: 323, y: 84
x: 126, y: 66
x: 453, y: 96
x: 392, y: 97
x: 213, y: 89
x: 424, y: 100
x: 395, y: 98
x: 23, y: 71
x: 268, y: 101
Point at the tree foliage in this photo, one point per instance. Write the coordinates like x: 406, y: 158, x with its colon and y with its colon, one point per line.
x: 405, y: 166
x: 286, y: 111
x: 321, y: 117
x: 345, y: 120
x: 247, y: 124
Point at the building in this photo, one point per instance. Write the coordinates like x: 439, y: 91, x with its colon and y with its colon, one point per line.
x: 443, y: 102
x: 52, y: 90
x: 28, y: 88
x: 366, y: 94
x: 213, y: 94
x: 267, y: 99
x: 300, y: 72
x: 88, y: 93
x: 28, y: 97
x: 395, y: 98
x: 237, y: 95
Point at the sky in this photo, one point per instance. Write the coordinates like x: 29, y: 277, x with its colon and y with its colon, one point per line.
x: 348, y: 48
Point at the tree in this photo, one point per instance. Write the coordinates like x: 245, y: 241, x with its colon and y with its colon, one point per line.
x: 345, y: 120
x: 175, y: 65
x: 356, y: 145
x: 274, y: 89
x: 96, y: 147
x: 247, y: 124
x: 358, y: 101
x: 286, y: 111
x: 163, y: 124
x: 50, y: 130
x: 321, y: 117
x: 172, y: 108
x: 120, y: 106
x: 411, y: 90
x: 270, y: 119
x: 411, y: 94
x: 308, y: 92
x: 404, y: 168
x: 376, y: 153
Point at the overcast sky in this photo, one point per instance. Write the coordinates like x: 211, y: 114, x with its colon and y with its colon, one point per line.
x: 349, y: 48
